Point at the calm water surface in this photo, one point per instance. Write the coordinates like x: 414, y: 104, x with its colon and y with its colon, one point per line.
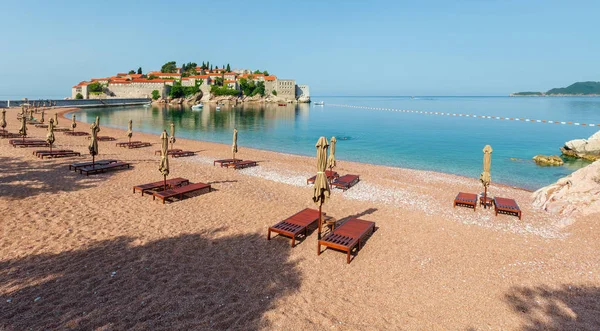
x: 440, y: 143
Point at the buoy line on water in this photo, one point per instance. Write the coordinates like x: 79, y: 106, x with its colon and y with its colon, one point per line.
x: 521, y: 119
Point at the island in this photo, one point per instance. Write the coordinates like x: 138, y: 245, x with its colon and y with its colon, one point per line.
x: 192, y: 83
x: 576, y: 89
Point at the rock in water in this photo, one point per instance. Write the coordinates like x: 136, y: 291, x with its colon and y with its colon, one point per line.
x: 588, y: 149
x: 578, y: 193
x: 552, y: 160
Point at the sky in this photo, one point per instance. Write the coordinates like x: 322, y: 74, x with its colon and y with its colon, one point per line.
x: 343, y: 48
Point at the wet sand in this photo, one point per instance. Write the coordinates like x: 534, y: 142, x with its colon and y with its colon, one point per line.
x: 86, y: 253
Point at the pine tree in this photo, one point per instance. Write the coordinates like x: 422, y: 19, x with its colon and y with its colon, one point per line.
x: 139, y: 71
x: 228, y: 68
x: 211, y: 67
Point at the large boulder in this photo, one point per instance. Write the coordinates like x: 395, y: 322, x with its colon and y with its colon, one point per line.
x: 583, y: 147
x: 578, y: 193
x: 194, y: 99
x: 304, y: 99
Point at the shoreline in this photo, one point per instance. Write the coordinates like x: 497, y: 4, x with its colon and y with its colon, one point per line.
x: 93, y: 251
x: 71, y: 110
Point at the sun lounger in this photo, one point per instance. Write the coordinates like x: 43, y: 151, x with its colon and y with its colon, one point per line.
x: 62, y: 129
x: 103, y: 138
x: 76, y: 133
x: 60, y: 153
x: 21, y: 141
x: 76, y: 166
x: 7, y: 134
x: 331, y: 175
x: 96, y: 169
x: 507, y: 206
x: 183, y: 154
x: 125, y: 143
x: 242, y: 165
x: 30, y: 143
x: 345, y: 182
x: 180, y: 191
x: 41, y: 126
x: 295, y: 224
x: 466, y: 200
x: 169, y: 152
x: 348, y: 236
x: 140, y: 145
x: 226, y: 162
x: 46, y: 151
x: 157, y: 185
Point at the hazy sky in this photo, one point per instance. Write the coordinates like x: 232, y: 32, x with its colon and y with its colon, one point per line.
x: 474, y: 47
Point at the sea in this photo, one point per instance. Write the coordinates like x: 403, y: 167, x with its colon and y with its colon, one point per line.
x: 393, y: 131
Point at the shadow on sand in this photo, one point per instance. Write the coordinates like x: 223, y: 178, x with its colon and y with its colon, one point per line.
x: 569, y: 307
x: 194, y: 281
x: 39, y: 176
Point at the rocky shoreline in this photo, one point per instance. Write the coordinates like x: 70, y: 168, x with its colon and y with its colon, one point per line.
x: 228, y: 99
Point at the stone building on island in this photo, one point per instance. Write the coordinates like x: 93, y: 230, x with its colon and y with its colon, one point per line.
x: 125, y: 85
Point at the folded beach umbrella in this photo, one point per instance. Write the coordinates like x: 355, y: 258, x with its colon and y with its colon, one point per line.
x: 50, y: 136
x: 331, y: 159
x: 164, y: 157
x: 42, y: 117
x: 31, y: 114
x: 130, y: 130
x: 93, y: 147
x: 486, y: 176
x: 321, y: 189
x: 172, y: 138
x: 3, y: 119
x: 23, y: 129
x: 73, y: 124
x: 56, y: 119
x: 234, y: 145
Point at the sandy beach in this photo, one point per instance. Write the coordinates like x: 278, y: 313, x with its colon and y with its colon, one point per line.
x: 86, y: 253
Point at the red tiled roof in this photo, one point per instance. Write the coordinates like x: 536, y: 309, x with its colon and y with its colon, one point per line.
x: 230, y: 81
x: 135, y: 75
x: 142, y: 80
x: 200, y: 76
x: 97, y: 79
x: 270, y: 77
x: 121, y: 74
x: 157, y: 73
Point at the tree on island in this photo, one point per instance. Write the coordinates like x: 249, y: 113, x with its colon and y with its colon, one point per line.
x: 169, y: 67
x: 155, y: 95
x: 211, y: 67
x: 95, y: 87
x: 131, y: 72
x: 79, y: 96
x: 228, y: 68
x: 139, y: 71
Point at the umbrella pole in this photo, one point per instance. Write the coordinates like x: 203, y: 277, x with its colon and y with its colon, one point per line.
x: 320, y: 221
x: 165, y: 181
x: 485, y: 197
x: 93, y: 161
x: 50, y: 148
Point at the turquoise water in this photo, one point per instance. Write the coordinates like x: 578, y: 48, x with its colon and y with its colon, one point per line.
x: 430, y: 142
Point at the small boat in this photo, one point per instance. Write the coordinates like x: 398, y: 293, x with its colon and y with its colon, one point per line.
x: 146, y: 105
x: 282, y: 104
x: 319, y: 103
x: 198, y: 106
x: 218, y: 108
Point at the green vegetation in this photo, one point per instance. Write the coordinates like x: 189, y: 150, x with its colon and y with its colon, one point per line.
x: 178, y: 91
x: 139, y: 71
x: 274, y: 92
x: 219, y: 91
x: 251, y: 89
x: 228, y: 68
x: 579, y: 88
x: 79, y: 96
x: 131, y: 72
x: 95, y: 87
x: 528, y: 94
x: 169, y: 67
x: 152, y: 77
x: 219, y: 81
x: 258, y: 72
x: 189, y: 69
x: 155, y: 95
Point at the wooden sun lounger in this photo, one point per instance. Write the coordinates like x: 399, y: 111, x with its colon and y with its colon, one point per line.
x: 62, y: 129
x: 140, y: 145
x: 242, y: 165
x: 76, y: 133
x: 348, y: 236
x: 112, y: 166
x: 295, y: 224
x: 125, y: 143
x: 183, y: 154
x: 331, y: 175
x: 76, y: 166
x: 169, y: 152
x: 466, y: 200
x: 180, y: 191
x: 226, y: 162
x: 46, y: 151
x: 62, y: 153
x: 507, y: 206
x: 21, y: 142
x: 157, y: 185
x: 345, y: 182
x: 9, y: 135
x: 41, y: 126
x: 31, y: 144
x: 103, y: 138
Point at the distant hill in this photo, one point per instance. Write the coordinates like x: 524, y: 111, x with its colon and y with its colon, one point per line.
x: 579, y: 88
